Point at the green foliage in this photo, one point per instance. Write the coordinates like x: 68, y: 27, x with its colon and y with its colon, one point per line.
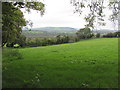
x: 62, y: 39
x: 114, y: 6
x: 47, y: 41
x: 21, y: 41
x: 59, y: 40
x: 95, y: 14
x: 84, y: 33
x: 98, y: 35
x: 13, y: 19
x: 111, y: 35
x: 90, y: 63
x: 39, y: 6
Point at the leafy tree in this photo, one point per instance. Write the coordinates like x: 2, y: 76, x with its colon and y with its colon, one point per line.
x: 98, y: 35
x: 21, y: 41
x: 58, y: 39
x: 95, y: 9
x: 66, y: 39
x: 84, y: 33
x: 62, y: 39
x: 114, y: 6
x: 13, y: 19
x: 110, y: 35
x: 118, y: 33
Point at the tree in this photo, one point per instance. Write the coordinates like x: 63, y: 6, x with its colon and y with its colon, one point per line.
x: 115, y: 9
x: 95, y: 10
x: 13, y: 19
x: 84, y: 33
x: 66, y: 39
x: 59, y: 41
x: 98, y: 35
x: 21, y: 41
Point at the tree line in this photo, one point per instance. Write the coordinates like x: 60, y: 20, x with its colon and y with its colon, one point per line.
x: 82, y: 34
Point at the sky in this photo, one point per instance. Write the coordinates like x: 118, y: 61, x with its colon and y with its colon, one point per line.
x: 60, y: 13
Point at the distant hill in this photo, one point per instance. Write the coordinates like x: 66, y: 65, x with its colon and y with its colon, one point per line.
x: 67, y: 29
x: 104, y: 31
x: 54, y: 29
x: 49, y: 32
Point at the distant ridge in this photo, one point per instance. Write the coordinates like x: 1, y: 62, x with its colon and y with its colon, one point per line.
x: 67, y: 29
x: 53, y: 29
x: 104, y: 31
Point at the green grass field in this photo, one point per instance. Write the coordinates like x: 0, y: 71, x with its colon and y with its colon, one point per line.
x: 87, y: 64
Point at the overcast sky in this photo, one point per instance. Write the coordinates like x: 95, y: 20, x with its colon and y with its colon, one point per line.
x: 59, y: 13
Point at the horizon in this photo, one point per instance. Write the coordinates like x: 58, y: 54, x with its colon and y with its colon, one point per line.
x: 24, y: 28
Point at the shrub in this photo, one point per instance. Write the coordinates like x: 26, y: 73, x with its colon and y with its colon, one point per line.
x: 98, y: 35
x: 110, y: 35
x: 21, y: 41
x: 117, y: 34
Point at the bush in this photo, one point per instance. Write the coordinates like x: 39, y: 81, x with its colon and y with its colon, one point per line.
x: 117, y: 34
x: 47, y: 41
x: 62, y: 39
x: 110, y: 35
x: 98, y: 35
x: 21, y: 41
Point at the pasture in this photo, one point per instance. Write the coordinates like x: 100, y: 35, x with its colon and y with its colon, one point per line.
x: 89, y: 63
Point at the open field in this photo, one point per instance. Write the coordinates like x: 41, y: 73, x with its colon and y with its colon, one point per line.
x: 90, y: 63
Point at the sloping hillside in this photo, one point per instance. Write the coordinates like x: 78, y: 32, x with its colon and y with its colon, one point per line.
x: 88, y: 64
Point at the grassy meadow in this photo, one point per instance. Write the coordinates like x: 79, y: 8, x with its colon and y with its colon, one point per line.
x: 89, y: 63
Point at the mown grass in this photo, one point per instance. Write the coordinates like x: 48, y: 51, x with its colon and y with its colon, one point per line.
x: 86, y: 64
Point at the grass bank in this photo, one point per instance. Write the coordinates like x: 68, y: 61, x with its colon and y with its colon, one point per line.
x: 87, y: 64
